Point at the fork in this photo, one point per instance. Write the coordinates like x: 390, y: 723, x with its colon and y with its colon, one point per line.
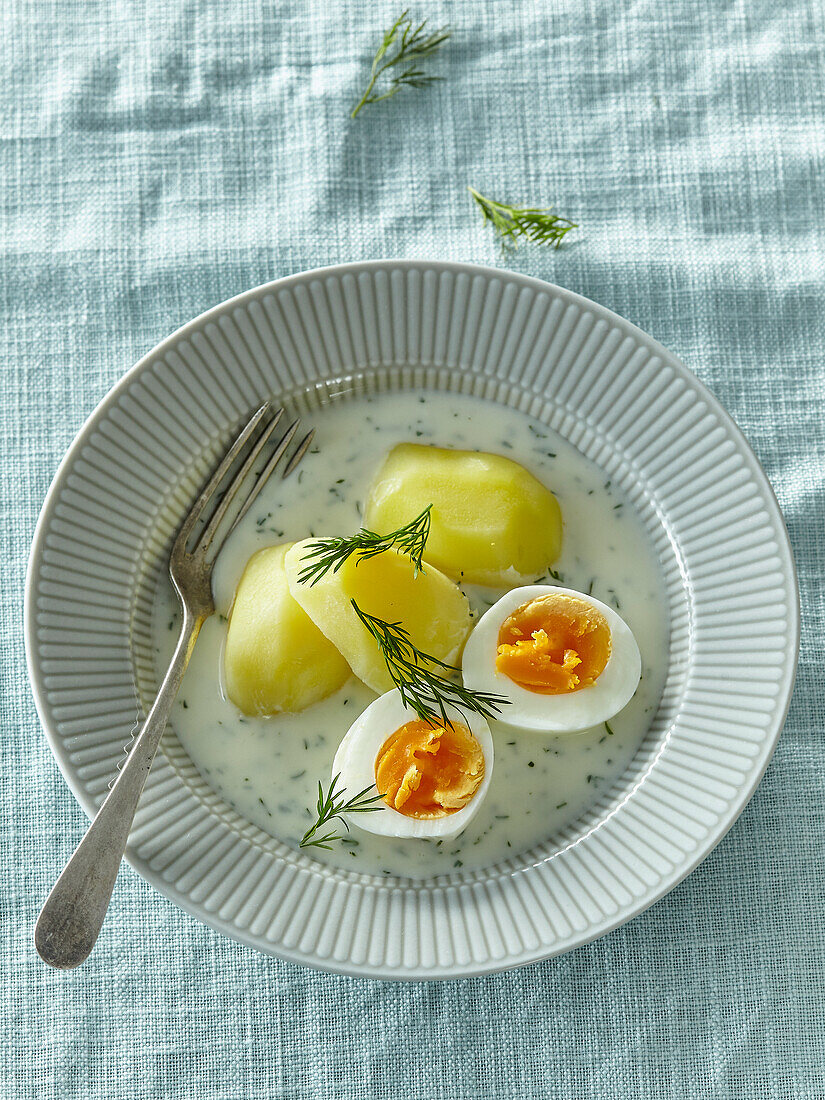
x: 73, y: 913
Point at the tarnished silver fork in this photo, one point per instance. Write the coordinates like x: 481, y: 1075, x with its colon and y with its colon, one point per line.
x: 73, y: 913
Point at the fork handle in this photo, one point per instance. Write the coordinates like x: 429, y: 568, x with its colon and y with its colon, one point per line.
x: 73, y: 913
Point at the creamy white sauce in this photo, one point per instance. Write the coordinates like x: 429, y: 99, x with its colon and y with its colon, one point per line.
x: 268, y: 768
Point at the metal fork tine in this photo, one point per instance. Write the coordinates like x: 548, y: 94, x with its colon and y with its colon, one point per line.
x: 300, y: 451
x: 205, y: 540
x: 264, y: 475
x: 220, y: 473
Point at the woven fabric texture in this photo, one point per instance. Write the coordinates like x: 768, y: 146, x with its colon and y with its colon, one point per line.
x: 157, y: 158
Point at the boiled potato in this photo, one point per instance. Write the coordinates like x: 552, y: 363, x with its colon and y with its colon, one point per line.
x: 492, y: 522
x: 276, y: 659
x: 433, y: 609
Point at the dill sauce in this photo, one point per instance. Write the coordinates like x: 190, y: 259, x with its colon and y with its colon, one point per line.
x: 268, y: 769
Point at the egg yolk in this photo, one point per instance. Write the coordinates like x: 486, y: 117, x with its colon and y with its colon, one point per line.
x: 554, y: 645
x: 429, y: 771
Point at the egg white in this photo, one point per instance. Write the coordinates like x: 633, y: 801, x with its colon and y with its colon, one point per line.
x: 355, y: 762
x: 571, y: 713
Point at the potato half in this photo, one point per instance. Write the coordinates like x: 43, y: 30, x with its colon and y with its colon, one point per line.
x: 492, y: 523
x: 276, y: 659
x: 433, y: 609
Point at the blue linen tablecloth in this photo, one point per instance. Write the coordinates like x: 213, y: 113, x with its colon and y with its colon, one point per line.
x: 159, y: 157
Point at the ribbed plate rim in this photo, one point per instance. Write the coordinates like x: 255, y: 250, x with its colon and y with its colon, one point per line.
x: 626, y: 912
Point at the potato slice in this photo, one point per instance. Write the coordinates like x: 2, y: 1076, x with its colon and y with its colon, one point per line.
x: 493, y: 523
x: 433, y: 609
x: 276, y: 659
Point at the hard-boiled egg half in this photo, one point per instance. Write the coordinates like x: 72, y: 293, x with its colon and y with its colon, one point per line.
x: 433, y: 777
x: 564, y: 660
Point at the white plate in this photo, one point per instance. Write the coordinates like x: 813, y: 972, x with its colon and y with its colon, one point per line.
x: 625, y: 402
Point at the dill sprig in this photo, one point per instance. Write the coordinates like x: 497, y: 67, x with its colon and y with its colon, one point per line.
x: 412, y: 45
x: 533, y: 223
x: 324, y: 555
x: 418, y: 677
x: 331, y: 806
